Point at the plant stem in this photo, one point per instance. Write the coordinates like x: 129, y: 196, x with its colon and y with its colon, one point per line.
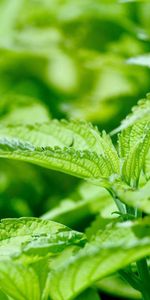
x: 120, y: 205
x: 130, y: 210
x: 144, y: 274
x: 143, y: 282
x: 131, y: 278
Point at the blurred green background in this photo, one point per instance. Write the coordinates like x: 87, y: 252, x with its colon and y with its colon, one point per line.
x: 74, y: 59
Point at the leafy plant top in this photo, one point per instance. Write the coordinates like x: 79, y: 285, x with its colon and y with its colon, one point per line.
x: 71, y: 262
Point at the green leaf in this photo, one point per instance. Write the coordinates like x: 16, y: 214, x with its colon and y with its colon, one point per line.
x: 77, y: 135
x: 134, y: 143
x: 20, y: 109
x: 91, y: 201
x: 139, y: 112
x: 136, y: 159
x: 16, y: 279
x: 138, y: 198
x: 116, y: 286
x: 87, y: 154
x: 99, y: 223
x: 113, y: 249
x: 89, y: 294
x: 83, y: 164
x: 147, y: 166
x: 33, y: 236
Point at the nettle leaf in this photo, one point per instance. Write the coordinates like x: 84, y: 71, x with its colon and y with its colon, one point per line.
x: 139, y: 112
x: 83, y: 164
x: 33, y: 236
x: 137, y: 151
x: 134, y: 143
x: 16, y: 279
x: 131, y: 136
x: 112, y: 249
x: 147, y: 166
x: 78, y: 135
x: 45, y: 134
x: 138, y: 198
x: 92, y: 200
x: 110, y: 153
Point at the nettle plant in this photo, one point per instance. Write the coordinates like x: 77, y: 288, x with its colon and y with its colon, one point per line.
x: 42, y: 259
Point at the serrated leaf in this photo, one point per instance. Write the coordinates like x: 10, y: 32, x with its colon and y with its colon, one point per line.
x: 130, y: 137
x: 77, y: 135
x: 139, y: 112
x: 113, y: 249
x: 83, y: 164
x: 110, y: 153
x: 87, y: 153
x: 33, y: 236
x: 136, y: 155
x: 134, y: 142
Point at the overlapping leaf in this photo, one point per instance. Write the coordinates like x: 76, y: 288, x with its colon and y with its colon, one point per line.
x: 89, y: 294
x: 113, y: 249
x: 140, y: 111
x: 16, y: 279
x: 25, y: 245
x: 136, y: 152
x: 35, y: 236
x: 86, y: 155
x: 78, y: 135
x: 117, y: 286
x: 138, y: 198
x: 134, y: 143
x: 91, y: 200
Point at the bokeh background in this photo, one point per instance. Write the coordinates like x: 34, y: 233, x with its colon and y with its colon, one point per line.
x: 75, y: 59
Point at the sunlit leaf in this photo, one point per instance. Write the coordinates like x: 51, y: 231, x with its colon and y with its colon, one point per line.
x: 113, y: 249
x: 35, y: 236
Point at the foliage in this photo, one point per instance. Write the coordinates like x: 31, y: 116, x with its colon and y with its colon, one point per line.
x: 79, y: 150
x: 70, y: 71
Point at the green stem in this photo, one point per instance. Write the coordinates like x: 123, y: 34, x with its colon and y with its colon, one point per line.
x: 120, y: 205
x: 130, y: 210
x: 132, y: 279
x: 143, y: 282
x: 144, y: 274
